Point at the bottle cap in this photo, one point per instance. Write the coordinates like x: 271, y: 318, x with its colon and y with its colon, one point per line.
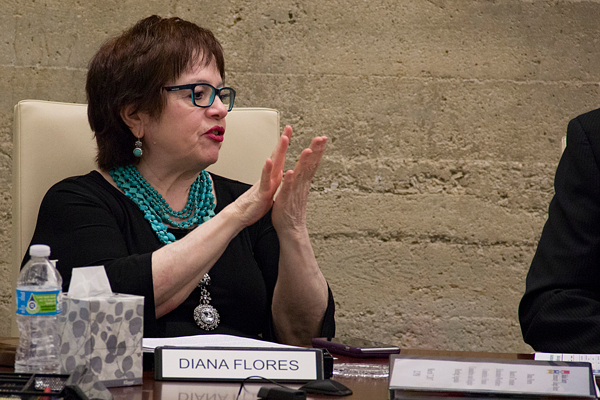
x: 39, y: 250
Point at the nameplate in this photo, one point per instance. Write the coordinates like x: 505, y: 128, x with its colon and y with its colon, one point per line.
x: 594, y: 359
x: 410, y: 375
x: 236, y: 364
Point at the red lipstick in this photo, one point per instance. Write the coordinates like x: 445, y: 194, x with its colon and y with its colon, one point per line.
x: 216, y: 133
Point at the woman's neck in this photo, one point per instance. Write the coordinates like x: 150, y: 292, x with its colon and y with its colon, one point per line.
x: 174, y: 186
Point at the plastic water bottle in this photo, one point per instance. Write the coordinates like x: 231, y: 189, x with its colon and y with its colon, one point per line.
x: 39, y: 303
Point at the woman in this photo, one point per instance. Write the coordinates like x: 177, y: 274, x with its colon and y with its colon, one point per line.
x: 232, y: 260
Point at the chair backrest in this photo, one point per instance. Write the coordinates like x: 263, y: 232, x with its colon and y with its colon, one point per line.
x: 52, y: 141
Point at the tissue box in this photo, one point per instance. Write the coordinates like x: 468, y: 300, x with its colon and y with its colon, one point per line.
x: 104, y: 334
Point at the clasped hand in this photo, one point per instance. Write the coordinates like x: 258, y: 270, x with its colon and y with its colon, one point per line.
x: 289, y: 207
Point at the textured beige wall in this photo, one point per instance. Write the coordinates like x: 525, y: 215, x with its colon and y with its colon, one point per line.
x: 444, y: 118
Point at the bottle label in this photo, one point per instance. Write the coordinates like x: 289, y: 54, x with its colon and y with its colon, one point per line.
x: 45, y: 302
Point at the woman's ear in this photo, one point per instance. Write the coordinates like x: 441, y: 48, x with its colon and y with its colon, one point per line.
x: 133, y: 119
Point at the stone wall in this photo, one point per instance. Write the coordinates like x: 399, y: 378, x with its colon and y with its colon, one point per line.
x: 444, y: 119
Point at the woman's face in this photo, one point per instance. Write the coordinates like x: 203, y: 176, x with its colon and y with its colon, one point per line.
x: 186, y: 137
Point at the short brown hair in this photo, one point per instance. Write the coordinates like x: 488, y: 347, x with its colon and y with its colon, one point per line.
x: 132, y: 69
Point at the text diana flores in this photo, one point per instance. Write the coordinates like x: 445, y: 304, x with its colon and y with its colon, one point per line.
x: 238, y: 364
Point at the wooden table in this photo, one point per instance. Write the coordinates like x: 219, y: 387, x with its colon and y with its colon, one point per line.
x: 373, y: 385
x: 363, y: 387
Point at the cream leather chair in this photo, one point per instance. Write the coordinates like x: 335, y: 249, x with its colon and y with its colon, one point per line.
x: 52, y: 141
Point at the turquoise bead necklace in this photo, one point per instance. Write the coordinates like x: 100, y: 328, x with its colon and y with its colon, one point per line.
x: 198, y: 209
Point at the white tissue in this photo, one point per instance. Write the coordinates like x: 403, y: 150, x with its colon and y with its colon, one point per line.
x: 89, y: 282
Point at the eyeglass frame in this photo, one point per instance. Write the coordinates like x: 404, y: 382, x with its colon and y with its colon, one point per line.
x: 215, y: 92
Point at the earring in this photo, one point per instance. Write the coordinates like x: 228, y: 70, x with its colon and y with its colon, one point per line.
x: 138, y: 148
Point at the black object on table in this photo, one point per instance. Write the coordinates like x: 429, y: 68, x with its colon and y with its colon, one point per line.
x: 80, y: 385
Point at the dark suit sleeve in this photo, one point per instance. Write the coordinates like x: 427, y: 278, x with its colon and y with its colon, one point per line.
x: 560, y: 311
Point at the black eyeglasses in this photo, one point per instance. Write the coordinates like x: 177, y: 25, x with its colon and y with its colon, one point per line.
x: 203, y: 94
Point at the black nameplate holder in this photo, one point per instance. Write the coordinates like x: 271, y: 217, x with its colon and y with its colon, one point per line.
x: 236, y: 364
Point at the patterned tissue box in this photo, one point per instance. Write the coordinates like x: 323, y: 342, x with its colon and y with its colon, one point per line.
x: 104, y: 334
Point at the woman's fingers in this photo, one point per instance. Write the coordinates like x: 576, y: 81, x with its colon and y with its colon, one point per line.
x: 297, y: 180
x: 265, y: 176
x: 310, y: 158
x: 305, y: 167
x: 289, y: 210
x: 278, y: 155
x: 286, y: 186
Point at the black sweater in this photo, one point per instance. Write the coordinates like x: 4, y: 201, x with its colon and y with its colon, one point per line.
x: 86, y: 221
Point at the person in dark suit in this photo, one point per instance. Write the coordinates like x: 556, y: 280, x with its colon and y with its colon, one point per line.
x: 560, y: 311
